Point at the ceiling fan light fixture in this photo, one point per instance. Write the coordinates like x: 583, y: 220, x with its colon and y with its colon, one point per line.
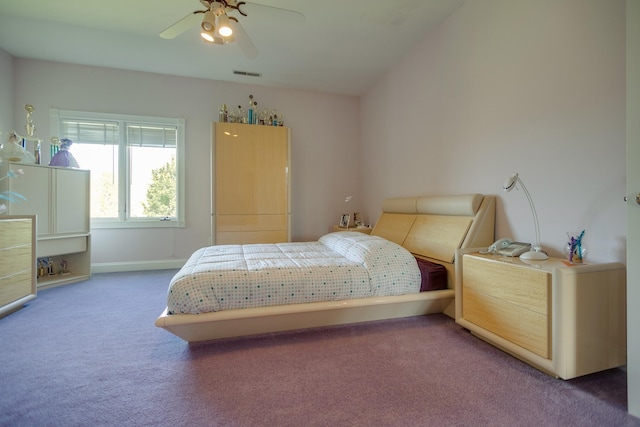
x: 224, y: 29
x: 208, y: 36
x: 209, y: 21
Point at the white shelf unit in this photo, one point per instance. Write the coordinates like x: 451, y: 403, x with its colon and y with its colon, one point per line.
x: 59, y: 197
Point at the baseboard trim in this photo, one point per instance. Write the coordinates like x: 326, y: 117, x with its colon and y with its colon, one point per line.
x: 117, y: 267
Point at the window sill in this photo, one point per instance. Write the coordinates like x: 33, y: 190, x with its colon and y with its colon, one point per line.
x: 155, y: 223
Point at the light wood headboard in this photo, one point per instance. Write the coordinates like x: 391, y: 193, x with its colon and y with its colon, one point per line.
x: 434, y: 227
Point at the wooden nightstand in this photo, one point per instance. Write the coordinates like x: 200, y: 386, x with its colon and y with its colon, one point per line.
x: 360, y: 230
x: 565, y: 320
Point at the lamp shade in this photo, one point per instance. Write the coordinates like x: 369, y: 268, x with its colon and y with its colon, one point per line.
x: 510, y: 183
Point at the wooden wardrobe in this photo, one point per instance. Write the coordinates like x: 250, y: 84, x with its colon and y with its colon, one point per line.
x: 251, y: 183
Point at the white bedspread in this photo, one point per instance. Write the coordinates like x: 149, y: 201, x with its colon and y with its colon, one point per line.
x: 338, y: 266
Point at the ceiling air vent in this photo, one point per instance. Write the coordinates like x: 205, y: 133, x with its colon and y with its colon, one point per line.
x: 247, y: 73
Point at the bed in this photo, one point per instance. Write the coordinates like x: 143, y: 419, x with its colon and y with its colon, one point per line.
x: 344, y: 277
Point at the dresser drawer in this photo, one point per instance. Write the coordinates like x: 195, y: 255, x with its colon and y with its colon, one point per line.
x: 14, y: 260
x: 16, y: 286
x: 15, y: 232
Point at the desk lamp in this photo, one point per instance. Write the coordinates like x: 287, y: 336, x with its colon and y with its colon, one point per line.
x: 536, y: 252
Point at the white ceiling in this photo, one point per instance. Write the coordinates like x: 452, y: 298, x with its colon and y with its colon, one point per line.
x: 340, y: 46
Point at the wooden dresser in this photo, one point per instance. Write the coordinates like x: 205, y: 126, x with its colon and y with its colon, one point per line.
x: 566, y: 320
x: 251, y: 183
x: 17, y: 262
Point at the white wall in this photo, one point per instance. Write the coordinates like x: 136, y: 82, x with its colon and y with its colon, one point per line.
x: 325, y: 133
x: 6, y: 95
x: 503, y: 86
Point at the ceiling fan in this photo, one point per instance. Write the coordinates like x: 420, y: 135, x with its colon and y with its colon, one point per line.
x: 219, y: 22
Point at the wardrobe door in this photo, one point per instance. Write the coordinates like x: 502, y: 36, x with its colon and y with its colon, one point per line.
x: 251, y: 184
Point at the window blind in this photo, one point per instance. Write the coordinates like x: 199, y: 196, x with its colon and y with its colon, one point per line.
x: 91, y: 132
x: 152, y: 136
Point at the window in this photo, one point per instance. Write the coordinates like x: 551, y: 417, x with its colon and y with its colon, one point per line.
x: 136, y: 163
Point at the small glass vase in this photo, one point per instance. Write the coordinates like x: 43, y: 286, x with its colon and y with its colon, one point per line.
x: 575, y: 249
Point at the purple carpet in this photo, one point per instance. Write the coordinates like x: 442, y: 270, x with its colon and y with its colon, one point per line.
x: 88, y: 354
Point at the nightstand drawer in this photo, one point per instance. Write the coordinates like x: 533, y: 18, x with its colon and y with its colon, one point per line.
x: 521, y: 287
x: 524, y: 327
x: 510, y: 301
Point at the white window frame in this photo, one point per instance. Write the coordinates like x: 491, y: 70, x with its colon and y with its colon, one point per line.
x: 57, y: 115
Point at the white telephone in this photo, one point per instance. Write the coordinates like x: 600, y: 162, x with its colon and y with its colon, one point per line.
x: 500, y: 244
x: 508, y: 247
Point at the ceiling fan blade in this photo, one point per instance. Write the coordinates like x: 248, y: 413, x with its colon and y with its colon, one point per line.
x: 244, y: 41
x: 186, y: 23
x: 271, y: 12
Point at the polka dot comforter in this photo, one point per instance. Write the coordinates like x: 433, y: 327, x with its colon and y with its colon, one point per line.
x: 338, y: 266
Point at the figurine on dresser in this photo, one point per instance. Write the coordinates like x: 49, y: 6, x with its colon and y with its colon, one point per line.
x: 13, y: 151
x: 64, y: 157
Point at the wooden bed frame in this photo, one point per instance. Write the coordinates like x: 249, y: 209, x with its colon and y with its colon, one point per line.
x: 431, y: 227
